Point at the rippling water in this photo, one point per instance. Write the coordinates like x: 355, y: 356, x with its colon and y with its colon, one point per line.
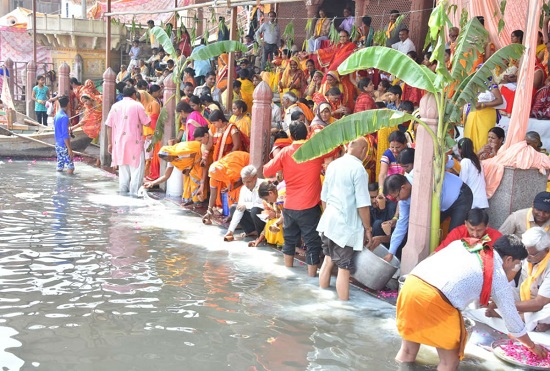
x: 90, y: 280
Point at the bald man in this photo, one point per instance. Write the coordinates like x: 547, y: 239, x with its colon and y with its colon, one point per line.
x: 345, y: 225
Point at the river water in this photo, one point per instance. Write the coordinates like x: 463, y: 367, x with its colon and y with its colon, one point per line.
x: 90, y: 280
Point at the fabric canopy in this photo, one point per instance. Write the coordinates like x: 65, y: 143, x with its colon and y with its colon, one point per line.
x: 97, y: 11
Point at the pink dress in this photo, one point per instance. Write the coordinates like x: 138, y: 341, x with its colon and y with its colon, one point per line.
x: 126, y: 120
x: 194, y: 120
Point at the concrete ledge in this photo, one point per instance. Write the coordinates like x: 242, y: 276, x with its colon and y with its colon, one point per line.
x: 516, y: 191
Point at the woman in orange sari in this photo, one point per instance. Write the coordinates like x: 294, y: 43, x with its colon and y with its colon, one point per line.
x: 93, y: 112
x: 223, y: 70
x: 293, y: 78
x: 332, y: 80
x: 225, y: 175
x: 225, y: 136
x: 152, y: 109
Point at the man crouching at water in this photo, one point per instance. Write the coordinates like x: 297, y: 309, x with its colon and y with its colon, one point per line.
x: 437, y: 289
x: 345, y: 224
x: 63, y: 148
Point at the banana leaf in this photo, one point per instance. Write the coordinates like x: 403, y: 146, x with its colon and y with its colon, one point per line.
x: 347, y: 129
x: 217, y: 48
x: 391, y: 61
x: 471, y: 40
x: 164, y: 40
x: 333, y: 33
x: 380, y: 38
x: 354, y: 34
x: 309, y: 26
x: 159, y: 129
x: 288, y: 34
x: 467, y: 93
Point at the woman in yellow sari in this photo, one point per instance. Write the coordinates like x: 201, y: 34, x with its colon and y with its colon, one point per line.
x: 240, y: 118
x: 186, y: 156
x: 293, y: 78
x: 247, y: 88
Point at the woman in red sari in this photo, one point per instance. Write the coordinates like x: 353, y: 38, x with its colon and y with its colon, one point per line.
x: 226, y: 138
x: 330, y: 58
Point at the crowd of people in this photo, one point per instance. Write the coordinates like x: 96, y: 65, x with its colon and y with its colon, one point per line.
x: 357, y: 196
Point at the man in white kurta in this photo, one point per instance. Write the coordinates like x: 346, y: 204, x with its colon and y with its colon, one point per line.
x: 345, y: 223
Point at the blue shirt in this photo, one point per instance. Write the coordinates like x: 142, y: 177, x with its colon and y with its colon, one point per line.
x: 201, y: 67
x: 449, y: 194
x: 61, y: 128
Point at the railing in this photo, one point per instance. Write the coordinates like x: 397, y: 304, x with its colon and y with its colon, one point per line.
x: 19, y: 75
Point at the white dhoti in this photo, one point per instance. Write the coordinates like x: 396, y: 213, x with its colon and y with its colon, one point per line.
x: 130, y: 178
x: 532, y: 319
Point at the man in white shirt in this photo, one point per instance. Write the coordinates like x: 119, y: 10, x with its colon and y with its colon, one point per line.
x: 290, y: 105
x: 248, y: 207
x: 405, y: 44
x: 345, y: 224
x: 209, y: 85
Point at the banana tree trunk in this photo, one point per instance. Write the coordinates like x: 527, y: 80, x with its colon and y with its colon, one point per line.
x: 422, y: 209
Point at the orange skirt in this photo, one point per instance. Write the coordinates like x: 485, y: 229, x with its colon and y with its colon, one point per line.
x: 425, y: 316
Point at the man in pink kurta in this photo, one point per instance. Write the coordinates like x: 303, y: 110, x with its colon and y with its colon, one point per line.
x: 125, y: 134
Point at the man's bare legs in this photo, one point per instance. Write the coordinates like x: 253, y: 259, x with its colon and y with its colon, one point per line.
x: 342, y: 284
x: 325, y: 273
x: 408, y: 351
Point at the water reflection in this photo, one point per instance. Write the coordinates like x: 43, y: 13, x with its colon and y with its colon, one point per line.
x: 90, y: 280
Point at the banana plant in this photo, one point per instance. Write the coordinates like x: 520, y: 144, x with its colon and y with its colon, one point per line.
x: 208, y: 52
x: 288, y: 34
x: 462, y: 81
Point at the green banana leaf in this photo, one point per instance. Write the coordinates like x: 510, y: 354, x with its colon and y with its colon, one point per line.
x: 471, y: 40
x: 164, y: 40
x: 439, y: 19
x: 215, y: 49
x: 159, y: 128
x: 469, y: 89
x: 391, y: 61
x: 347, y: 129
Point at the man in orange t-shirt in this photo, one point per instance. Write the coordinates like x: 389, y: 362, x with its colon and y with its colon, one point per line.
x: 301, y: 212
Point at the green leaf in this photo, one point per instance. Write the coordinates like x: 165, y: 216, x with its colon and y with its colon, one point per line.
x: 206, y: 36
x: 391, y: 61
x: 500, y: 25
x: 471, y: 41
x: 215, y: 49
x: 309, y: 26
x: 380, y: 37
x: 333, y: 33
x: 347, y: 129
x: 164, y: 40
x: 288, y: 34
x: 478, y: 81
x: 463, y: 18
x: 354, y: 34
x: 159, y: 128
x: 502, y: 7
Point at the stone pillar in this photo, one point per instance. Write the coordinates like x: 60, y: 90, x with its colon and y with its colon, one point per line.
x: 509, y: 197
x: 170, y: 106
x: 78, y: 67
x: 359, y: 13
x: 231, y: 61
x: 261, y: 125
x: 418, y: 22
x: 109, y: 96
x: 418, y: 241
x: 174, y: 185
x: 64, y: 79
x: 31, y: 82
x: 9, y: 66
